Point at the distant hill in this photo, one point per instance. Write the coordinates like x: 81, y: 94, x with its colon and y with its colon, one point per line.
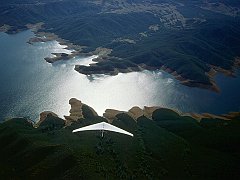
x: 168, y: 147
x: 186, y: 38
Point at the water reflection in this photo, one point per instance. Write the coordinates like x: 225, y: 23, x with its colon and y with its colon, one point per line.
x: 29, y: 85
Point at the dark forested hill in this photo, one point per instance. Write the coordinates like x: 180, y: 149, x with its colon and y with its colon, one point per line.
x: 168, y: 147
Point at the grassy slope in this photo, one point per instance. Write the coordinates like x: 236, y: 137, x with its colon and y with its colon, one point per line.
x: 170, y: 146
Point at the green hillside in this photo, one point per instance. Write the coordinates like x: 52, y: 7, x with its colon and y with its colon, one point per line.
x: 168, y: 147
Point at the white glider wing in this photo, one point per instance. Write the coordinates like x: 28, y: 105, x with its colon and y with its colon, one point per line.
x: 103, y: 126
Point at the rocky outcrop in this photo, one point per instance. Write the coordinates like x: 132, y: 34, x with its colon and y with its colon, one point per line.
x: 110, y: 114
x: 199, y: 117
x: 78, y: 111
x: 135, y: 112
x: 148, y: 111
x: 43, y: 116
x: 75, y: 111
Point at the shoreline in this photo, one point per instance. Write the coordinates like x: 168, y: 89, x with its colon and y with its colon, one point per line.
x: 135, y: 112
x: 103, y: 54
x: 76, y: 113
x: 186, y: 82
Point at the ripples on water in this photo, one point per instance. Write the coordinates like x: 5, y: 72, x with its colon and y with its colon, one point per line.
x: 29, y: 85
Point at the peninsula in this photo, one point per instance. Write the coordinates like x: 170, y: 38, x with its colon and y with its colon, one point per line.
x: 189, y: 39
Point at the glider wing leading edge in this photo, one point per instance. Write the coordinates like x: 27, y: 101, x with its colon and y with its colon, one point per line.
x: 103, y: 126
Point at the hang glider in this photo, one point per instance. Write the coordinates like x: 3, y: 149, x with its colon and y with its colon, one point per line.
x: 103, y: 126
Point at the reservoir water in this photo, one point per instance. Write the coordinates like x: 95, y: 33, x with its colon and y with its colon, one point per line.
x: 30, y: 85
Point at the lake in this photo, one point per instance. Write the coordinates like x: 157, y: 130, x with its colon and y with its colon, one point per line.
x: 30, y: 85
